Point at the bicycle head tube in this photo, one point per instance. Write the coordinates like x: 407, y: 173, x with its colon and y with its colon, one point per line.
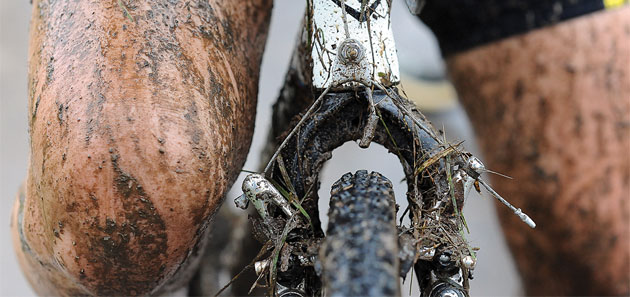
x: 350, y: 44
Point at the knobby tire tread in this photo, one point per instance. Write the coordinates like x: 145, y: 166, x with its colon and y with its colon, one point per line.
x: 359, y: 254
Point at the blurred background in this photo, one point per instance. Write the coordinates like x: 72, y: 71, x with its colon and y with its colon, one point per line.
x: 424, y: 81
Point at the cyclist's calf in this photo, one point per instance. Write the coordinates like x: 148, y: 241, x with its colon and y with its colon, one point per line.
x: 141, y: 116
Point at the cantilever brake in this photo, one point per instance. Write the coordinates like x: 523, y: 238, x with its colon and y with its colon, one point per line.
x: 261, y: 192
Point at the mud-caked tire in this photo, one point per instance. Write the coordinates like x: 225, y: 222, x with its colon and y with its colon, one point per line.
x: 359, y: 254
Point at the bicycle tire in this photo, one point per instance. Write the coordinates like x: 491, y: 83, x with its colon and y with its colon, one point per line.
x: 360, y: 253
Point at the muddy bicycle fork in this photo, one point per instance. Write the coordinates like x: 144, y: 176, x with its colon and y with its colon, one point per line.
x: 346, y: 52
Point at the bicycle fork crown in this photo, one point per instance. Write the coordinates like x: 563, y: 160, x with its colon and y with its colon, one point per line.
x: 361, y: 49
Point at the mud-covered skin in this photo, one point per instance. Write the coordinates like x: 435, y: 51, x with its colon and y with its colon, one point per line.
x: 360, y: 252
x: 552, y: 109
x: 141, y: 115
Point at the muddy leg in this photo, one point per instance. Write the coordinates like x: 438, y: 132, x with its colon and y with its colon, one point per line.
x: 552, y: 110
x: 140, y: 115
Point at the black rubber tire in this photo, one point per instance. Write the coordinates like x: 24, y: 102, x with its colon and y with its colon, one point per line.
x: 359, y: 255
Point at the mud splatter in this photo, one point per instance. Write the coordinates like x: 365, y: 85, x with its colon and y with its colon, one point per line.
x: 125, y: 251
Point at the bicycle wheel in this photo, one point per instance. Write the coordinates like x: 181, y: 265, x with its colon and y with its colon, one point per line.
x: 360, y: 253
